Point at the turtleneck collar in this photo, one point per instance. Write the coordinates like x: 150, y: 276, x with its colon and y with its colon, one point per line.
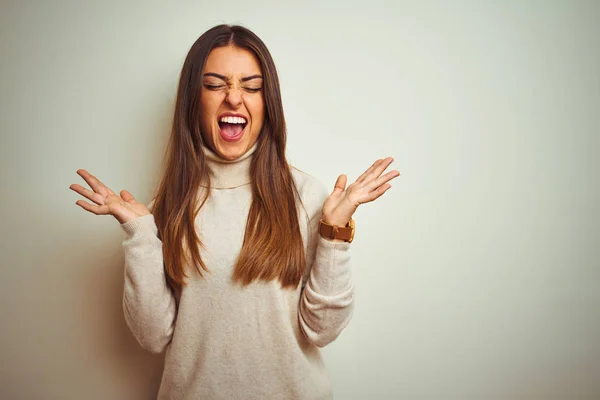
x: 228, y: 174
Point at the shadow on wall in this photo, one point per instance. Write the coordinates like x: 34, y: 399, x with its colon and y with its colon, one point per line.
x: 112, y: 347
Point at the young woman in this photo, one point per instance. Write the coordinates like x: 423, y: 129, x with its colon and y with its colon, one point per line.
x: 241, y: 270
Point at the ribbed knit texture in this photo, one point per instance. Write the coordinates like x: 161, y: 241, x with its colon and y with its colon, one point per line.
x: 224, y: 341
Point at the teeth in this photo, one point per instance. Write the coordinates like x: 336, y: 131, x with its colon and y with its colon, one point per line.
x: 233, y: 120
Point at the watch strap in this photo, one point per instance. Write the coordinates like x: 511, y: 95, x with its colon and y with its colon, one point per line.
x: 345, y: 233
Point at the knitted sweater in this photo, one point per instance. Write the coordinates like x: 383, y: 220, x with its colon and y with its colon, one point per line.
x: 224, y: 341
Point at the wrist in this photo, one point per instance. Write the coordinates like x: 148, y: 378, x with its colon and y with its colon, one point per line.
x: 335, y: 220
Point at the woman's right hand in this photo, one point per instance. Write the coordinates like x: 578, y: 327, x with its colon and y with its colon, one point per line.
x: 124, y: 207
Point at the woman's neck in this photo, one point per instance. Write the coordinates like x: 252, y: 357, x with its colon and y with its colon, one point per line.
x: 227, y: 174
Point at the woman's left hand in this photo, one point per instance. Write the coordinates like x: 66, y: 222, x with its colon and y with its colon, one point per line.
x: 341, y: 204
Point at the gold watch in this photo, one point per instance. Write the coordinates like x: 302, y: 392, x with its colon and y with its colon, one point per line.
x: 345, y: 233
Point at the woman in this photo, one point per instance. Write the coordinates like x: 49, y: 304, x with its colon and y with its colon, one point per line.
x: 238, y: 271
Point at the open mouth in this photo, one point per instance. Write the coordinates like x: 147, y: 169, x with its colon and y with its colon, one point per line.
x: 232, y: 128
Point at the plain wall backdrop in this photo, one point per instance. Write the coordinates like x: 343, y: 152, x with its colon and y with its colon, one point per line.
x: 477, y: 274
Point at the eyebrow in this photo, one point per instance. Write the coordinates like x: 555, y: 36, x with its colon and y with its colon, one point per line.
x: 224, y: 78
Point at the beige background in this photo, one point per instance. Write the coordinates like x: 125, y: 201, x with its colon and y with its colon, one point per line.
x: 478, y: 273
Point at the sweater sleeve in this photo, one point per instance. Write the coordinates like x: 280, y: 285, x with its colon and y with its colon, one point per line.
x: 149, y: 305
x: 327, y: 298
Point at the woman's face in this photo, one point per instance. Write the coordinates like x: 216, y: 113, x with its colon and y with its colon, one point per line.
x: 232, y: 101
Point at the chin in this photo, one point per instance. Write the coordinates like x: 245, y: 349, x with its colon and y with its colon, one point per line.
x: 231, y: 151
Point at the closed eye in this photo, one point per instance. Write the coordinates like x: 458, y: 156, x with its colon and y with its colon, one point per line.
x: 213, y: 87
x: 219, y: 87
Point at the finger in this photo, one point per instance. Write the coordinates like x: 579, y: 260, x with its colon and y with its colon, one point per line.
x: 374, y: 184
x: 88, y: 194
x: 128, y: 197
x: 340, y: 184
x: 98, y: 210
x: 375, y: 194
x: 368, y: 171
x: 94, y: 182
x: 378, y: 170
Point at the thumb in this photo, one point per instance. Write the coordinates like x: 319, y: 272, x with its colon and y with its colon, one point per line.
x: 340, y: 184
x: 128, y: 197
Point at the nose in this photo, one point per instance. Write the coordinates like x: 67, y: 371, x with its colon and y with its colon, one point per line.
x: 234, y: 96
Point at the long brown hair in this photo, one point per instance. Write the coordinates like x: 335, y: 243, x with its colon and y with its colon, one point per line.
x: 273, y: 247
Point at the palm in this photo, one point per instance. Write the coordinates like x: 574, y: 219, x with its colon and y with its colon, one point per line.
x: 124, y: 207
x: 341, y: 204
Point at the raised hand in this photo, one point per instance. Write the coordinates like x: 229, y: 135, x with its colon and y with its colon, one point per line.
x: 341, y: 204
x: 124, y: 207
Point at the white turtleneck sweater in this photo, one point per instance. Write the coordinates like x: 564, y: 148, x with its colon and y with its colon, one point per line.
x: 223, y: 341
